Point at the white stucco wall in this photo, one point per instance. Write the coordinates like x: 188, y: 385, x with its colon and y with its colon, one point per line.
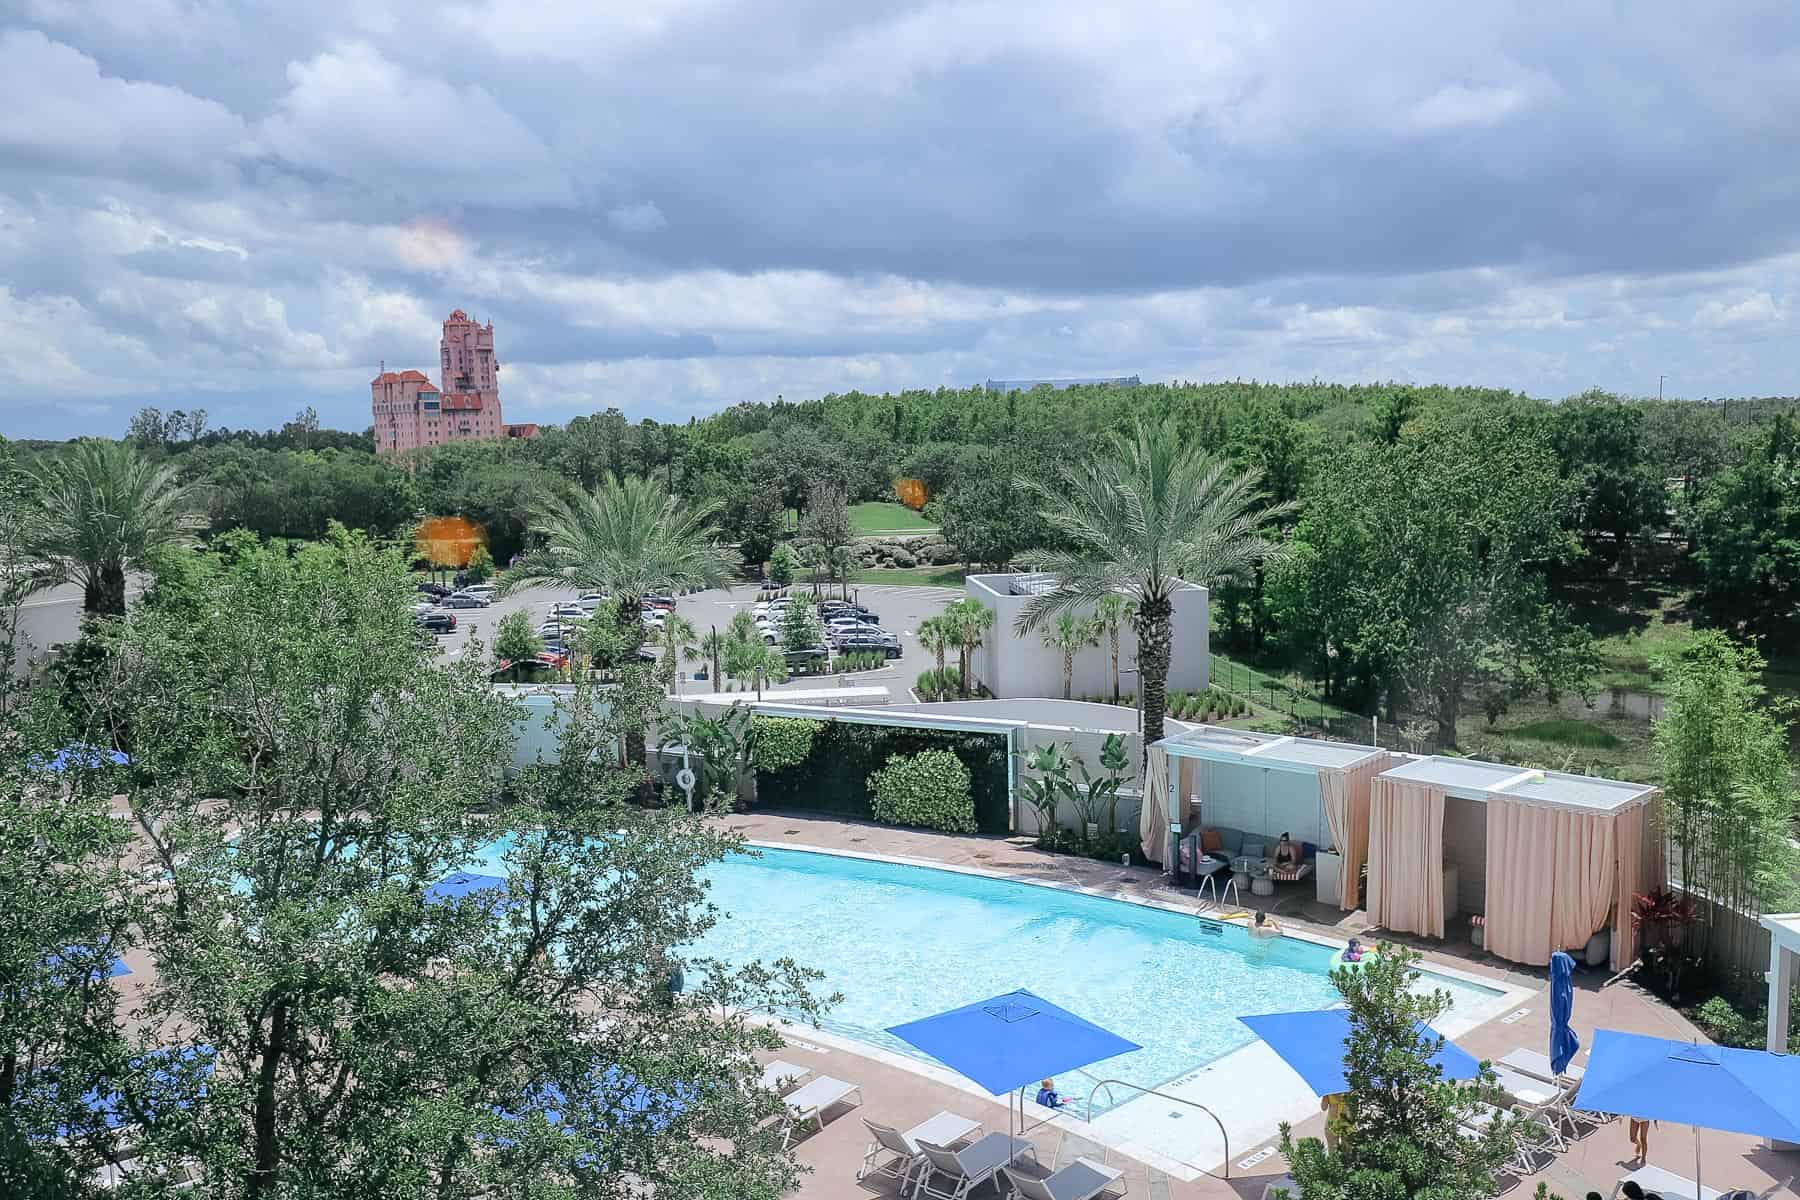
x: 539, y: 727
x: 1012, y: 664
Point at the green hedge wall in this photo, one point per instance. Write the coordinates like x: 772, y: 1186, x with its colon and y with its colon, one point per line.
x: 930, y: 789
x: 835, y: 776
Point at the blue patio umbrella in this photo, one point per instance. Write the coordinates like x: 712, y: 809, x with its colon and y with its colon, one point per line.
x: 72, y: 956
x: 162, y: 1085
x: 1563, y: 1041
x: 1313, y: 1044
x: 1708, y: 1087
x: 1006, y: 1042
x: 626, y: 1101
x: 462, y: 883
x: 79, y: 754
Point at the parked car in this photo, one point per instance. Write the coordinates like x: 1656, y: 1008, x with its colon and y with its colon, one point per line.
x: 487, y: 590
x: 850, y: 623
x: 573, y: 612
x: 666, y: 603
x: 591, y: 602
x: 434, y: 589
x: 888, y: 645
x: 466, y: 600
x: 843, y: 608
x: 437, y: 621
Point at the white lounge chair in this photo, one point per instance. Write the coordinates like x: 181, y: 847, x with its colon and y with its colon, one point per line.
x: 781, y: 1077
x: 809, y: 1103
x: 1536, y: 1064
x: 1522, y: 1162
x: 1083, y: 1179
x: 1666, y: 1184
x: 1534, y: 1099
x: 896, y: 1155
x: 953, y: 1174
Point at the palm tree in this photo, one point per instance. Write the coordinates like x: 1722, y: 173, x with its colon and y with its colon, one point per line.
x: 679, y: 642
x: 98, y: 512
x: 713, y: 646
x: 1114, y: 612
x: 1139, y: 519
x: 1069, y: 637
x: 628, y: 538
x: 934, y: 637
x: 969, y: 620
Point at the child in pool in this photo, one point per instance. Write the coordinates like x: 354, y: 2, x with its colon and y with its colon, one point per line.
x: 1353, y: 952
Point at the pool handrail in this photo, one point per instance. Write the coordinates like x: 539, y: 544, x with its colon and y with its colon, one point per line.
x: 1224, y: 1137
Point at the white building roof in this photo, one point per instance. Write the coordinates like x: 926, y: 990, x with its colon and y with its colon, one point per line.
x: 1482, y: 781
x: 1784, y: 928
x: 1220, y: 744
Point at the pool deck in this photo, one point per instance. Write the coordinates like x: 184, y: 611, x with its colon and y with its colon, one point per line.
x: 901, y: 1093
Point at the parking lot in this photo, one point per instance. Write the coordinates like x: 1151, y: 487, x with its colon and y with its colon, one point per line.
x: 899, y: 609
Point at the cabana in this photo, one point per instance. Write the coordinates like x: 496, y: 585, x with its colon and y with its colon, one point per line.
x: 1550, y: 858
x: 1256, y: 786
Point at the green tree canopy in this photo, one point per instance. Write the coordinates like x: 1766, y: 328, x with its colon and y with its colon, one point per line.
x: 342, y: 1031
x: 1418, y: 569
x: 1403, y: 1135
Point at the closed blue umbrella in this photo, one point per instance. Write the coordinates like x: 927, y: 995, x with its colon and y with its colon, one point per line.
x: 1563, y: 1042
x: 79, y: 755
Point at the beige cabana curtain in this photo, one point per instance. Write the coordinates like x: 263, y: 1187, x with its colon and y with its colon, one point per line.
x: 1406, y: 857
x: 1639, y: 870
x: 1345, y: 796
x: 1552, y: 878
x: 1153, y: 816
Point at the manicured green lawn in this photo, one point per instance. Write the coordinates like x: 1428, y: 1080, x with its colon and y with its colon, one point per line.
x: 950, y: 577
x: 884, y: 517
x: 1567, y: 731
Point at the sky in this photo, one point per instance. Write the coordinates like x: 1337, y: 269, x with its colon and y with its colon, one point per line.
x: 671, y: 206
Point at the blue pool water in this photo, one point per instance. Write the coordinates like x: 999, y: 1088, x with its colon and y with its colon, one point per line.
x: 902, y: 942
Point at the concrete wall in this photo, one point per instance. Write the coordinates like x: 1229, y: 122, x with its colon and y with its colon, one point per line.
x: 52, y: 617
x: 1012, y: 664
x: 539, y: 727
x: 1259, y: 800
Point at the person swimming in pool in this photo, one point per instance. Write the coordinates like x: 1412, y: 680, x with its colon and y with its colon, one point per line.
x: 1264, y: 926
x: 1353, y: 952
x: 1047, y: 1095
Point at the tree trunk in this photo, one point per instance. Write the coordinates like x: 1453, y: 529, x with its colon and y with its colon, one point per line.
x: 267, y: 1149
x: 964, y: 661
x: 1114, y: 633
x: 1449, y: 706
x: 628, y: 620
x: 1153, y: 626
x: 1068, y: 674
x: 104, y: 593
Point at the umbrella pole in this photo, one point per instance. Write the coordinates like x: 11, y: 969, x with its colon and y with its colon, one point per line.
x: 1699, y: 1186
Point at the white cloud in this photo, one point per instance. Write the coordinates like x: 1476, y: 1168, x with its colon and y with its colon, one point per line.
x: 355, y: 113
x: 64, y: 114
x: 637, y: 218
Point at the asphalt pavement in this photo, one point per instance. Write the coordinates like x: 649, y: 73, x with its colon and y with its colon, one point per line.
x: 899, y: 608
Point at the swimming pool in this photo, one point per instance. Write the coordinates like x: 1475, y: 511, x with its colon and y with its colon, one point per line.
x: 901, y: 941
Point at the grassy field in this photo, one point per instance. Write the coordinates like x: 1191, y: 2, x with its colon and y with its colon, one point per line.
x: 884, y: 517
x: 1545, y: 736
x: 950, y: 577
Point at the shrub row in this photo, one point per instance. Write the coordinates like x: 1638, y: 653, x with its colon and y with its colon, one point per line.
x: 843, y: 756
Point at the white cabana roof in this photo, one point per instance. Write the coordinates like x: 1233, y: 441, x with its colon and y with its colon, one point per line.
x: 1483, y: 781
x: 1220, y: 744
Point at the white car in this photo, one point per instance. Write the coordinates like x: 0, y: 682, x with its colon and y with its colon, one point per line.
x: 482, y: 589
x: 574, y: 612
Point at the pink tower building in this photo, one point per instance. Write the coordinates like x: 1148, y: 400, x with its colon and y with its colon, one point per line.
x: 410, y: 412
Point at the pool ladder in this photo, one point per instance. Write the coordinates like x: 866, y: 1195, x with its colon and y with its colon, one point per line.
x: 1224, y: 1138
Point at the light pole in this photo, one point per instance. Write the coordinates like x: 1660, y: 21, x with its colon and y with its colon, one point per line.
x: 1659, y: 383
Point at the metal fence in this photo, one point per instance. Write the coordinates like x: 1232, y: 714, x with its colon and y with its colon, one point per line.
x: 1312, y: 715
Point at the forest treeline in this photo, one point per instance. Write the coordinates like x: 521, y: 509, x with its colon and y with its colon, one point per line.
x: 1387, y: 480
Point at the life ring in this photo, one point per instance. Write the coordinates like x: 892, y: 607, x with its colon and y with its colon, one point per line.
x: 1338, y: 959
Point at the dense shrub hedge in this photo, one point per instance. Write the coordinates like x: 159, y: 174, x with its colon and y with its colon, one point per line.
x: 777, y: 743
x: 929, y: 789
x: 835, y: 775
